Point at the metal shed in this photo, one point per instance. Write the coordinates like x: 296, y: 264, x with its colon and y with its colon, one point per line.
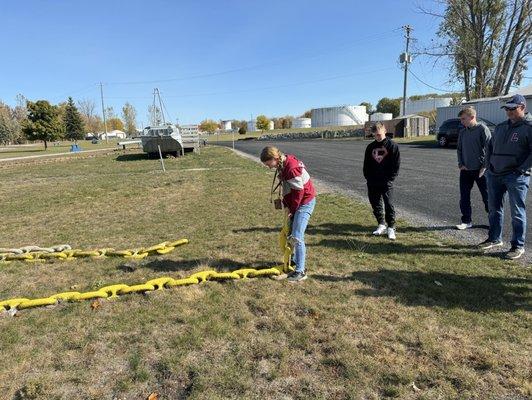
x: 488, y: 108
x: 403, y: 126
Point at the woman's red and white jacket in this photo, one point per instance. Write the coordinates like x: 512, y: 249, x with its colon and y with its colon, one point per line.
x: 296, y: 184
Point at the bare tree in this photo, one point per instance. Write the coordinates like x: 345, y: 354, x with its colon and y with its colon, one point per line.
x: 487, y: 41
x: 93, y: 122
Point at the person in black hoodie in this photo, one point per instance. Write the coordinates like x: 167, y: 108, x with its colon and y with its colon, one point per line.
x: 381, y: 166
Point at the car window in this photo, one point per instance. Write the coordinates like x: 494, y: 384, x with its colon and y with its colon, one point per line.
x: 451, y: 124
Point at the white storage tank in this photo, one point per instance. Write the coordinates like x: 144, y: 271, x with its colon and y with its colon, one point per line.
x: 252, y: 126
x: 425, y: 105
x: 270, y: 125
x: 226, y: 125
x: 339, y: 116
x: 380, y: 116
x: 301, y: 123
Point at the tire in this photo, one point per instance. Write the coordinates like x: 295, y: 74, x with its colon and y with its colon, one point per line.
x: 443, y: 141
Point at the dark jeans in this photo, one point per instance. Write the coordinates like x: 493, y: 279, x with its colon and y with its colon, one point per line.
x: 516, y: 185
x: 468, y: 178
x: 379, y: 194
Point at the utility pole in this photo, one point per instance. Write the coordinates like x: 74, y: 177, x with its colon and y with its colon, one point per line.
x: 103, y: 113
x: 406, y: 58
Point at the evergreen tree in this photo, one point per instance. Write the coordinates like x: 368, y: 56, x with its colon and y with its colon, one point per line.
x: 74, y: 126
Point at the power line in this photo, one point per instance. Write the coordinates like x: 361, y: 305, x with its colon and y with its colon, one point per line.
x: 264, y: 88
x: 430, y: 86
x: 360, y: 41
x: 83, y: 89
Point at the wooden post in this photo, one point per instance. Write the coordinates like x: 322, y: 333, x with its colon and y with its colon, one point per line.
x: 161, y: 157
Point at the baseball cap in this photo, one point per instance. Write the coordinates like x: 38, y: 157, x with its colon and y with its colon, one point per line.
x: 516, y: 100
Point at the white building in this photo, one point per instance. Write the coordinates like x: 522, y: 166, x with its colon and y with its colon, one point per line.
x: 271, y: 125
x: 116, y: 134
x: 488, y: 108
x: 339, y: 116
x: 190, y: 129
x: 425, y: 105
x: 226, y: 125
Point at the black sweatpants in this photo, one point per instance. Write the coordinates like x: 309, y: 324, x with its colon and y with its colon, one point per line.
x: 467, y: 179
x: 379, y: 194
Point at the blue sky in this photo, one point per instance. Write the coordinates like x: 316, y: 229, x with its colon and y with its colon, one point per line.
x: 213, y: 59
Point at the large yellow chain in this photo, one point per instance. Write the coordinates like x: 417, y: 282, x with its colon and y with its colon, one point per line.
x: 151, y: 285
x: 63, y: 252
x: 116, y: 290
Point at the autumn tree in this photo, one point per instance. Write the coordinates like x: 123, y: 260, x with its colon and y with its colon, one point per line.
x: 208, y: 126
x: 93, y: 122
x: 129, y: 115
x: 9, y: 126
x: 263, y: 123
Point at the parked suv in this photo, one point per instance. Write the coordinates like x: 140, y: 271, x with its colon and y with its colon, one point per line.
x: 448, y: 132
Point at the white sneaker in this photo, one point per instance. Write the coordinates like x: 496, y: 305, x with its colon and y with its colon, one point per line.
x: 380, y: 230
x: 463, y: 226
x: 391, y: 233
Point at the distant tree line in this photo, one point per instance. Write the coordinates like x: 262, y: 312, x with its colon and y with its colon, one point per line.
x: 42, y: 121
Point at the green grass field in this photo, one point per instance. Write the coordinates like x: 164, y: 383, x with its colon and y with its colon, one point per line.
x: 420, y: 318
x: 61, y: 147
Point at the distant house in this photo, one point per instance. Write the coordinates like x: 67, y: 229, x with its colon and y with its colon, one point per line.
x: 116, y: 134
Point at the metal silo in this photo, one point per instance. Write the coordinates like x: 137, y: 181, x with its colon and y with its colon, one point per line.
x: 380, y: 116
x: 252, y: 126
x: 301, y: 123
x: 339, y: 116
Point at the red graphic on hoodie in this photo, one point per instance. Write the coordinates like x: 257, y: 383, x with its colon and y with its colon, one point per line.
x: 379, y: 154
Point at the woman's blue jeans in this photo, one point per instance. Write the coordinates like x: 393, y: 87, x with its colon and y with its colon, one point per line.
x: 297, y: 236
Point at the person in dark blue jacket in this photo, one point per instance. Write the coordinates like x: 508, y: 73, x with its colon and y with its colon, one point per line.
x: 508, y: 166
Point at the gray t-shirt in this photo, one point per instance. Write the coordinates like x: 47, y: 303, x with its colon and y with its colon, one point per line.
x: 472, y: 146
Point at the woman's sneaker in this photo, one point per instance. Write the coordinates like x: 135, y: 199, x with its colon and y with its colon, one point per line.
x: 296, y: 276
x: 515, y: 253
x: 381, y: 229
x: 391, y: 233
x: 489, y: 244
x: 463, y: 226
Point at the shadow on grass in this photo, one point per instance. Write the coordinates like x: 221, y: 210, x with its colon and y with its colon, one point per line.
x: 385, y: 246
x: 132, y: 157
x: 350, y: 229
x: 22, y: 151
x: 416, y: 288
x: 223, y: 264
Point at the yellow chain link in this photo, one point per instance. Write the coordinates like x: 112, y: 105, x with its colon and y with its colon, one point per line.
x: 151, y: 285
x: 69, y: 254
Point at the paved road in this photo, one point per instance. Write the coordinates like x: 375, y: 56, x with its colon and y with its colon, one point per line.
x: 426, y: 188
